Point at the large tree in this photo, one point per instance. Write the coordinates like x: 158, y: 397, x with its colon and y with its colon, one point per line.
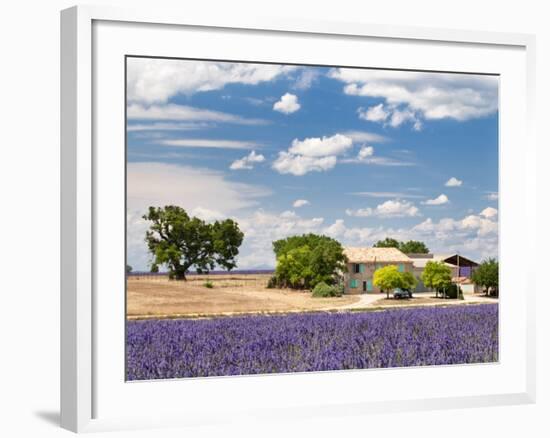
x: 388, y: 242
x: 437, y: 275
x: 179, y: 241
x: 306, y: 260
x: 410, y: 247
x: 413, y: 247
x: 486, y: 275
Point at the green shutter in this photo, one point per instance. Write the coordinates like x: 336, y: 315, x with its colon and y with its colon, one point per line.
x: 353, y: 283
x: 369, y: 285
x: 361, y: 268
x: 401, y: 268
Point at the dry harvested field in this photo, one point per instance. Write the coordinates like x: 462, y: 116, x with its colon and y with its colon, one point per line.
x: 149, y: 296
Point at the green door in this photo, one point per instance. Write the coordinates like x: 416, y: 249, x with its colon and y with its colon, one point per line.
x: 369, y: 285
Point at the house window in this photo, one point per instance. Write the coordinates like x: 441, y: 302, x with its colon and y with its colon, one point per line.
x: 356, y: 268
x: 353, y: 283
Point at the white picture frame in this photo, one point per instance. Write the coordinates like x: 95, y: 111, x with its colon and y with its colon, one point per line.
x: 87, y: 377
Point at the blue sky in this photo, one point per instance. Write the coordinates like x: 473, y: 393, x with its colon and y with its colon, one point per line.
x: 355, y: 154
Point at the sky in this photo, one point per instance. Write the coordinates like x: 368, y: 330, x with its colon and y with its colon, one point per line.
x: 352, y: 153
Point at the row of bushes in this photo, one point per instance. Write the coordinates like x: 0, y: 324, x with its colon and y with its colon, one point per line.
x: 452, y: 291
x: 323, y: 290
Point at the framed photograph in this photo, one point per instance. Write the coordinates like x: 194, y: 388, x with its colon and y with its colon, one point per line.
x: 257, y: 209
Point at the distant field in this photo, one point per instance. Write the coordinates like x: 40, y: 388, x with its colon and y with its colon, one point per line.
x: 149, y: 296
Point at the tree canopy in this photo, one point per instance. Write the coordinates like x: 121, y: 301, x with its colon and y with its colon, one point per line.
x: 306, y: 260
x: 179, y: 241
x: 389, y: 277
x: 388, y: 242
x: 486, y: 275
x: 437, y: 275
x: 409, y: 280
x: 411, y: 246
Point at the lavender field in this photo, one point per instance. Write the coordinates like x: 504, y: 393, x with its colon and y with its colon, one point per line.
x: 161, y: 349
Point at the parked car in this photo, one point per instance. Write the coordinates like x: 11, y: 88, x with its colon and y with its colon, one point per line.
x: 402, y: 293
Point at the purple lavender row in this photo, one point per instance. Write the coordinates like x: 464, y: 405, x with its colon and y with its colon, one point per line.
x: 161, y: 349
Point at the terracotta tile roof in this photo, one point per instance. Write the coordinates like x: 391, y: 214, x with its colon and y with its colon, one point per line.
x: 383, y: 255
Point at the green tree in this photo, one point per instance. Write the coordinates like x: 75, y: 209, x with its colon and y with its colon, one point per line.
x: 294, y: 268
x: 413, y: 247
x: 388, y: 242
x: 128, y: 269
x: 388, y: 278
x: 409, y: 280
x: 486, y: 275
x: 179, y: 241
x: 306, y: 260
x: 437, y: 275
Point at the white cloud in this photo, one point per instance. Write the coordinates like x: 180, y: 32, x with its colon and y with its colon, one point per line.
x: 306, y: 78
x: 440, y: 200
x: 389, y: 209
x: 300, y: 164
x: 207, y: 215
x: 446, y: 228
x: 172, y: 111
x: 432, y: 96
x: 247, y: 162
x: 288, y: 214
x: 312, y: 154
x: 159, y: 184
x: 376, y: 113
x: 320, y: 147
x: 136, y: 127
x: 300, y: 203
x: 389, y: 115
x: 336, y: 230
x: 365, y: 137
x: 319, y: 154
x: 492, y: 196
x: 288, y: 104
x: 386, y: 161
x: 386, y: 195
x: 365, y: 152
x: 398, y: 117
x: 365, y: 155
x: 489, y: 212
x: 209, y: 143
x: 157, y: 80
x: 453, y: 182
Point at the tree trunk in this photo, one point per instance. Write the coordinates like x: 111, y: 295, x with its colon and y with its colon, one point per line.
x: 178, y: 273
